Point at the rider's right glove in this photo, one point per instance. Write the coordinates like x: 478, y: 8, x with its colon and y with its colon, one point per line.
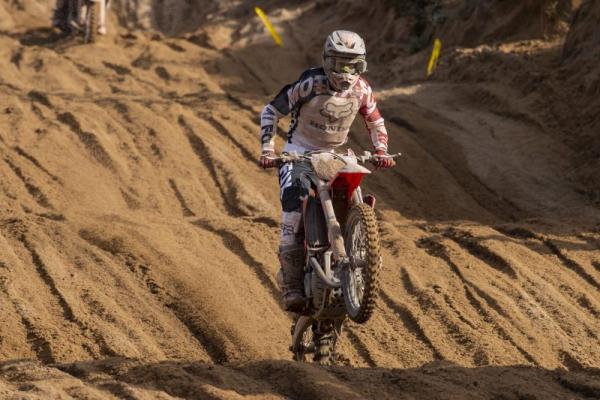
x: 384, y: 160
x: 267, y: 160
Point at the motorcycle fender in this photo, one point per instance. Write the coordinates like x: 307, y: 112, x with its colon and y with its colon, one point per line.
x: 348, y: 181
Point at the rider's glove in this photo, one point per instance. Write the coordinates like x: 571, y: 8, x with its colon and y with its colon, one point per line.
x: 383, y: 159
x: 267, y: 160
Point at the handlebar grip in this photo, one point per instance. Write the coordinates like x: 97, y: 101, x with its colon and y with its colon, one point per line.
x: 277, y: 162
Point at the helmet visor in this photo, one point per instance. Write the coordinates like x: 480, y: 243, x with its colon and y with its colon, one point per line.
x: 346, y: 65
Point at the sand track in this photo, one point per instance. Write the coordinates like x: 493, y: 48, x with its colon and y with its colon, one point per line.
x: 136, y: 230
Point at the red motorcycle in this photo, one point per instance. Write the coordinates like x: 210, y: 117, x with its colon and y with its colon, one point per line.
x: 343, y: 255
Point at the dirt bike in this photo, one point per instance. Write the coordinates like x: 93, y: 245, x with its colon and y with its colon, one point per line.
x: 88, y: 17
x: 343, y: 257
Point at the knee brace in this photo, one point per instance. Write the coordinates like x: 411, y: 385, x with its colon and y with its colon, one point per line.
x: 291, y: 232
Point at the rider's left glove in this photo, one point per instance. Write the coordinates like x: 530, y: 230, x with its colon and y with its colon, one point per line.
x: 384, y: 160
x: 267, y: 160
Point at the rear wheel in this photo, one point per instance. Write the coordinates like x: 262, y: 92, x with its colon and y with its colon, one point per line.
x: 316, y: 338
x: 91, y: 21
x: 324, y: 348
x: 302, y: 338
x: 360, y: 280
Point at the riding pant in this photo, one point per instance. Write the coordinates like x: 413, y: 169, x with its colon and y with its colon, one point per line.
x: 294, y: 182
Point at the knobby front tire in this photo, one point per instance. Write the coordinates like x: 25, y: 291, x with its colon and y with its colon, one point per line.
x: 360, y: 280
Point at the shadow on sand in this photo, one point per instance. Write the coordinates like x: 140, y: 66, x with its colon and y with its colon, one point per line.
x: 285, y: 379
x: 44, y: 36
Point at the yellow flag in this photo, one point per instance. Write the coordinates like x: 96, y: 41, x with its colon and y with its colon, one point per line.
x: 261, y: 14
x: 435, y: 55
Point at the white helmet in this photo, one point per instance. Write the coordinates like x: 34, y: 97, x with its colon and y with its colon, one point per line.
x: 344, y: 59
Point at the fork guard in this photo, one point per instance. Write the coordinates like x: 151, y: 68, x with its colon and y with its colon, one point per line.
x: 370, y: 200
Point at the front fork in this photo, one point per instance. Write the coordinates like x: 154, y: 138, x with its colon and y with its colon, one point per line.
x: 334, y: 230
x: 357, y: 197
x: 337, y: 252
x: 336, y: 239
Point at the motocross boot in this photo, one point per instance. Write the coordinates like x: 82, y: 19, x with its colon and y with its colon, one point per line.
x: 291, y: 258
x: 60, y: 18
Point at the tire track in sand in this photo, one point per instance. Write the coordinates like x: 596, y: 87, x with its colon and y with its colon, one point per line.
x: 198, y: 327
x: 201, y: 150
x: 35, y: 162
x: 579, y: 297
x: 236, y: 245
x: 38, y: 343
x: 33, y: 190
x: 522, y: 233
x: 361, y: 348
x: 66, y: 308
x: 469, y: 243
x: 569, y: 262
x: 435, y: 248
x: 88, y: 139
x: 411, y: 323
x: 427, y: 303
x: 219, y: 127
x: 185, y: 209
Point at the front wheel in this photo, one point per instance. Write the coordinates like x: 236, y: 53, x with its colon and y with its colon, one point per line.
x: 360, y: 279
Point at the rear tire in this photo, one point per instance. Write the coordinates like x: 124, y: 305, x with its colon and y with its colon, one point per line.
x: 302, y: 338
x: 325, y: 349
x: 360, y: 280
x: 307, y: 339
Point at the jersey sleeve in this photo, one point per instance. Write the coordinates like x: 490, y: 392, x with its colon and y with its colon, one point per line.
x: 373, y: 119
x: 290, y: 97
x: 268, y: 127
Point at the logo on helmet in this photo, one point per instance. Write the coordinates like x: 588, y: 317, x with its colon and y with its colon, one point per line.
x: 335, y: 112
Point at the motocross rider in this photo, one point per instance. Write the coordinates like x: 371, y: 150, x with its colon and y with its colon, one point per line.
x: 323, y: 101
x: 61, y: 18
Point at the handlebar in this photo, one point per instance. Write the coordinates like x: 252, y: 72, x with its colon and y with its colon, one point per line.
x: 297, y: 157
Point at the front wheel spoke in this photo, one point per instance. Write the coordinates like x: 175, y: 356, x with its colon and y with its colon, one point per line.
x: 357, y: 283
x: 359, y: 251
x: 360, y: 283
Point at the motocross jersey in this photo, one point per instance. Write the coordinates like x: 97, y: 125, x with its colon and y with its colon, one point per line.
x: 321, y: 117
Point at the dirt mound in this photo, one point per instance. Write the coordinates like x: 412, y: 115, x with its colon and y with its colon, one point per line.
x: 19, y: 14
x: 583, y: 73
x: 552, y: 84
x: 473, y: 23
x: 583, y: 36
x: 171, y: 17
x: 134, y: 379
x: 135, y: 224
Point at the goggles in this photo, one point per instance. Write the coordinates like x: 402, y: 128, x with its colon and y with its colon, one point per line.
x: 346, y: 65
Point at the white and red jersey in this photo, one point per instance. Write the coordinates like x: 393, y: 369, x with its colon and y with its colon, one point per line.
x: 321, y: 117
